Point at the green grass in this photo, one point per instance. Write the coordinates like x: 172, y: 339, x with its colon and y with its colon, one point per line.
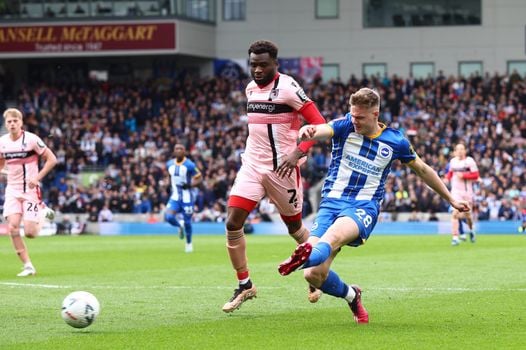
x: 420, y: 292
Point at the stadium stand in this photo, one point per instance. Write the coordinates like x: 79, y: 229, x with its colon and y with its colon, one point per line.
x: 121, y: 134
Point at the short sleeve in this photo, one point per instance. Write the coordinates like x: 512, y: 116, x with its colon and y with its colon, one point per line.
x: 40, y: 146
x: 342, y: 126
x: 295, y: 96
x: 472, y: 165
x: 195, y: 170
x: 406, y: 151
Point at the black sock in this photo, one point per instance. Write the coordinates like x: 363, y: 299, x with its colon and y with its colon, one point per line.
x: 247, y: 285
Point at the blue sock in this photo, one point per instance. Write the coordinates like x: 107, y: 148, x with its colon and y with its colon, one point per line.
x: 188, y: 231
x: 320, y: 253
x: 460, y: 227
x: 334, y: 286
x: 171, y: 219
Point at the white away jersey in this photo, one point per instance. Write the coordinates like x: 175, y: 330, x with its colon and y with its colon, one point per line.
x: 360, y: 165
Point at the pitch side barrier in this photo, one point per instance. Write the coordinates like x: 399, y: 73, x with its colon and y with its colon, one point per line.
x: 382, y: 228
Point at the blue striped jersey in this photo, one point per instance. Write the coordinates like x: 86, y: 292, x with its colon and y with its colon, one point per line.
x: 360, y: 165
x: 181, y: 173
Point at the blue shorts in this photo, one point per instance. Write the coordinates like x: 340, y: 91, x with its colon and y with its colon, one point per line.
x: 186, y: 208
x: 364, y: 213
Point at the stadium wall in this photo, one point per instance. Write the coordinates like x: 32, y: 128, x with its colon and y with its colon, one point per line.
x: 292, y: 24
x: 275, y: 228
x: 344, y: 40
x: 382, y: 228
x: 137, y: 224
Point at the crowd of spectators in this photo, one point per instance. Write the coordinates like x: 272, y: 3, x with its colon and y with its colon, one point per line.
x: 127, y: 131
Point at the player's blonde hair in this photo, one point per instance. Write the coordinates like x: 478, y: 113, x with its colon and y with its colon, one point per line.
x: 365, y: 97
x: 14, y: 113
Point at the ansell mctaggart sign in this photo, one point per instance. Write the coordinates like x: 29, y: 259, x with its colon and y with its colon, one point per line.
x: 94, y: 37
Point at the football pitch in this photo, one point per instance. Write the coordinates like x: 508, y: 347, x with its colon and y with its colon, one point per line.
x: 420, y: 292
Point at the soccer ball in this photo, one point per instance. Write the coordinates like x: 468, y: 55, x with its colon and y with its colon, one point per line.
x: 48, y: 213
x: 79, y: 309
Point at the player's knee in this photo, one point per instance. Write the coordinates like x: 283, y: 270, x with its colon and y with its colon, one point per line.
x: 235, y: 218
x: 233, y: 224
x: 170, y: 218
x: 14, y: 230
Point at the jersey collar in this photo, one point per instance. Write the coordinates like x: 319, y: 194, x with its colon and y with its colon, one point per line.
x: 382, y: 128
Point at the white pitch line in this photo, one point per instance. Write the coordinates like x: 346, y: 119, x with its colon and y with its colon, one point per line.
x: 55, y: 286
x: 374, y: 289
x: 447, y: 289
x: 35, y: 285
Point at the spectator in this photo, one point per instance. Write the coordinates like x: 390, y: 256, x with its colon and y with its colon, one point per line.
x: 78, y: 226
x: 208, y: 116
x: 414, y: 217
x: 64, y: 227
x: 266, y: 209
x: 483, y: 211
x: 433, y: 216
x: 152, y: 218
x: 93, y: 215
x: 506, y: 211
x: 105, y: 215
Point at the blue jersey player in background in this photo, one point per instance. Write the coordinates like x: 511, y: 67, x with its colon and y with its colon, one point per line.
x: 362, y: 153
x: 183, y: 176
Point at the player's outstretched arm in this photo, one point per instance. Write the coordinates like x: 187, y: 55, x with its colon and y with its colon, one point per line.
x: 431, y: 178
x: 315, y: 132
x: 308, y: 132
